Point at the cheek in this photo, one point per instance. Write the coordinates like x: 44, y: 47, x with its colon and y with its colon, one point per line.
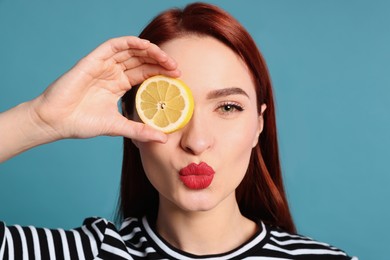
x: 241, y: 134
x: 236, y: 143
x: 154, y: 161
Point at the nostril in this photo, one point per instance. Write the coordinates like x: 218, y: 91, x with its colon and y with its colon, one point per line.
x: 188, y: 149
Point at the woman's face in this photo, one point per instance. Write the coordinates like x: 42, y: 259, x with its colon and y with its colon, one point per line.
x: 222, y: 132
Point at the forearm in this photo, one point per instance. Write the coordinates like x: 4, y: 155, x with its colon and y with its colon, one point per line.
x: 82, y: 103
x: 20, y: 130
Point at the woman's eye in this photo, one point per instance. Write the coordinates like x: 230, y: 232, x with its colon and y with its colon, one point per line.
x: 230, y: 108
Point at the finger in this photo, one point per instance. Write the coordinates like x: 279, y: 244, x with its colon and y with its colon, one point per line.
x: 116, y: 45
x: 141, y: 73
x: 138, y: 131
x: 135, y: 62
x: 124, y: 56
x: 153, y: 53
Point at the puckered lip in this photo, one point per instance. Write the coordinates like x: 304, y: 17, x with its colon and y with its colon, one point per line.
x: 197, y: 169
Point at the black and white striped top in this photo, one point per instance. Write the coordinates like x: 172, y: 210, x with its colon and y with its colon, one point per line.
x: 100, y: 239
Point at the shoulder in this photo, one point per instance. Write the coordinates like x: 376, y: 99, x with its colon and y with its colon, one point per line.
x: 301, y: 247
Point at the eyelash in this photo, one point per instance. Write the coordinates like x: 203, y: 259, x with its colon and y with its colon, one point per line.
x: 233, y: 106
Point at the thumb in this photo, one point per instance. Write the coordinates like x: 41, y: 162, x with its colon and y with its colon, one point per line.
x: 138, y: 131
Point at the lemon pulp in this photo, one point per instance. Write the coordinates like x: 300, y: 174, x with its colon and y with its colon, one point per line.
x: 164, y: 103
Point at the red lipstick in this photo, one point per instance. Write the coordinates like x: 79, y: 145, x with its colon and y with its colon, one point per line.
x: 197, y: 176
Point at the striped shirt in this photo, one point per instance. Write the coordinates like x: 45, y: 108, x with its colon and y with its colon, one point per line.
x: 100, y: 239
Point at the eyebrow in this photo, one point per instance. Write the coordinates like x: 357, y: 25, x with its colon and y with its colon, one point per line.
x: 226, y: 92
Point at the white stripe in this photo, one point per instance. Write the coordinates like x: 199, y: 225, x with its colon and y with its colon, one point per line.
x: 132, y: 234
x: 298, y: 241
x: 115, y: 235
x: 24, y: 242
x: 100, y: 235
x: 112, y: 233
x: 141, y: 241
x: 10, y: 243
x: 148, y: 250
x: 91, y: 240
x: 303, y: 251
x: 284, y: 234
x: 168, y: 250
x: 127, y: 222
x: 65, y: 245
x: 115, y: 251
x: 37, y: 248
x: 50, y: 243
x: 354, y: 258
x: 79, y: 244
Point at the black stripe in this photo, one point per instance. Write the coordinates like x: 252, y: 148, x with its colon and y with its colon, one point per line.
x: 2, y: 239
x: 6, y: 256
x: 297, y: 245
x: 95, y: 235
x: 113, y: 241
x: 43, y: 243
x: 72, y: 245
x: 272, y: 253
x: 101, y: 225
x: 58, y: 248
x: 85, y: 243
x: 321, y: 257
x: 18, y: 251
x: 108, y: 255
x: 2, y: 232
x: 29, y: 240
x: 287, y: 238
x: 125, y: 230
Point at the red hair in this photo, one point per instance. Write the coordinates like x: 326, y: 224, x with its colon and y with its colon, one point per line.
x: 261, y: 194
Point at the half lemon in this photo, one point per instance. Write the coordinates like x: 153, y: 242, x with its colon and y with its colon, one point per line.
x: 164, y: 103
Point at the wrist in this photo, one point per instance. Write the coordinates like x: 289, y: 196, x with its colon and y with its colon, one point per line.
x: 21, y: 129
x: 37, y: 127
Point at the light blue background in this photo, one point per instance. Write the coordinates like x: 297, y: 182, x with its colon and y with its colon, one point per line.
x: 329, y: 62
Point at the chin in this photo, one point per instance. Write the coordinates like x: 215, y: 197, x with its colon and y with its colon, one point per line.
x: 197, y: 208
x: 197, y: 202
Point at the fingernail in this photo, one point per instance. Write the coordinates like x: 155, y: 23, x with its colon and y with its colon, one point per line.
x: 176, y: 72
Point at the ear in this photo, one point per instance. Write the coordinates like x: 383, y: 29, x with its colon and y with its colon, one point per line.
x: 260, y: 125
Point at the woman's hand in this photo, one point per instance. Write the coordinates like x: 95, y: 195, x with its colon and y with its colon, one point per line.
x: 83, y: 102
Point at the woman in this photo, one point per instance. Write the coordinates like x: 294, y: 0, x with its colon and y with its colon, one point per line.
x: 242, y: 213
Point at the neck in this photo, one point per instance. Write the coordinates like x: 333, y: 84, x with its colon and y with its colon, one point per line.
x: 204, y: 232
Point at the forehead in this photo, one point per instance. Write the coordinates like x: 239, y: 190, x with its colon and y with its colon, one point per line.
x: 208, y: 63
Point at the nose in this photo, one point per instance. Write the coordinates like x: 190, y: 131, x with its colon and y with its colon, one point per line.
x: 196, y: 137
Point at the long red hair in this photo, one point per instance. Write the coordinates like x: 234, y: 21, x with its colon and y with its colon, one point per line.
x: 261, y: 194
